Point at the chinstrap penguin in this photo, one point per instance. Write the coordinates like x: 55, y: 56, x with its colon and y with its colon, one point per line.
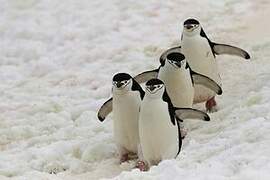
x: 179, y: 79
x: 125, y: 103
x: 200, y: 53
x: 159, y: 131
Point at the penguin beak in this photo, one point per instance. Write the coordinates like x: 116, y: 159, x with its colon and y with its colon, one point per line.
x: 118, y: 84
x: 151, y: 88
x: 189, y: 27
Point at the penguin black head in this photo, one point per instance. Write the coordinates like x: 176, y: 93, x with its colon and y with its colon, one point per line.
x: 155, y: 86
x: 176, y: 59
x: 192, y: 26
x: 122, y: 81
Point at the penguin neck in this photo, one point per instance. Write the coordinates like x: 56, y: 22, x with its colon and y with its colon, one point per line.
x: 168, y: 68
x: 194, y: 33
x: 155, y: 96
x: 187, y: 36
x: 122, y: 92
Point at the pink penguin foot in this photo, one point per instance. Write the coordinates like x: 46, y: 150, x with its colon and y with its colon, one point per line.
x: 211, y: 105
x: 141, y: 166
x: 183, y: 133
x: 124, y: 158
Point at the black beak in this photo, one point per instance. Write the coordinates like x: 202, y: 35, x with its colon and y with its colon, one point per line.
x: 118, y: 84
x: 188, y: 26
x: 152, y: 88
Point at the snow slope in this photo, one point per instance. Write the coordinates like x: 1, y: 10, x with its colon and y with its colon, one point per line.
x: 57, y: 59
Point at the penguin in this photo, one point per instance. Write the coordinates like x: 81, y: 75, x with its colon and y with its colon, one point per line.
x: 179, y: 79
x: 127, y: 95
x: 201, y: 53
x: 159, y: 130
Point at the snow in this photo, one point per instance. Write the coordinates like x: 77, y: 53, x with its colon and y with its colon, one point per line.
x: 57, y: 61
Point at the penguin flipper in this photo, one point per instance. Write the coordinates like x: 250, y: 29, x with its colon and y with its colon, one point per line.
x: 145, y: 76
x: 105, y: 109
x: 168, y: 51
x: 189, y: 113
x: 206, y: 81
x: 228, y: 49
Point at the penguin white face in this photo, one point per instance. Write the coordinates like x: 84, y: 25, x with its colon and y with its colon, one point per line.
x: 122, y: 82
x: 176, y: 60
x: 155, y: 88
x: 191, y: 27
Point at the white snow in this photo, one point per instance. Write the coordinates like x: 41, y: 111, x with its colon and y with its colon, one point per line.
x: 57, y: 59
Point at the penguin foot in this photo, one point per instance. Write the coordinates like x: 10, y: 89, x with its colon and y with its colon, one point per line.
x: 141, y: 165
x: 124, y: 158
x: 183, y: 132
x: 211, y: 105
x: 183, y: 135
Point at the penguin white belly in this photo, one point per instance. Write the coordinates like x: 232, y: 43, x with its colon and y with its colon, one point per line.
x: 125, y: 120
x: 158, y: 136
x: 201, y: 60
x: 179, y: 86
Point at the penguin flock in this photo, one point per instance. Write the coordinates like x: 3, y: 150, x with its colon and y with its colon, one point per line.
x: 148, y: 124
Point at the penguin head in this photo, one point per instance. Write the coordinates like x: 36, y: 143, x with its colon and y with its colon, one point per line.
x: 192, y: 27
x: 122, y: 82
x: 155, y: 88
x: 176, y: 60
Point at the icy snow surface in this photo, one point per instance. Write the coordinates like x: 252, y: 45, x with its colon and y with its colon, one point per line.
x: 57, y: 59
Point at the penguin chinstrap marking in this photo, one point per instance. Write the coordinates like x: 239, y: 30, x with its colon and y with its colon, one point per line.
x: 200, y: 52
x: 179, y: 79
x: 125, y: 104
x: 160, y: 136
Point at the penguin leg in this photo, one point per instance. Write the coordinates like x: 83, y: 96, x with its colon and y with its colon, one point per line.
x: 183, y: 130
x: 211, y: 105
x: 123, y: 158
x: 123, y: 154
x: 141, y: 164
